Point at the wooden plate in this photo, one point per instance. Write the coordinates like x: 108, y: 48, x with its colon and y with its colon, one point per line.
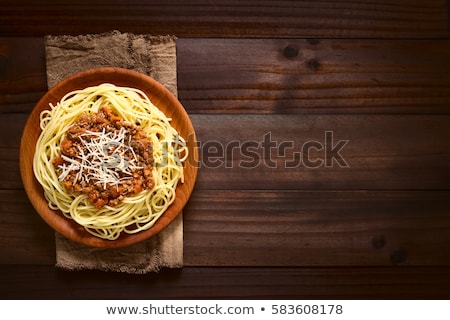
x: 161, y: 98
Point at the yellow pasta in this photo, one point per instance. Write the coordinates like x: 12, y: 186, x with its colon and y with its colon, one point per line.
x: 136, y: 212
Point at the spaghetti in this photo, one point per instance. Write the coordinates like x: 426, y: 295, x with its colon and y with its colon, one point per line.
x: 109, y: 159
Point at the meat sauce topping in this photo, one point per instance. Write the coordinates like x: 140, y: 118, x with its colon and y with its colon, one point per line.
x: 106, y: 158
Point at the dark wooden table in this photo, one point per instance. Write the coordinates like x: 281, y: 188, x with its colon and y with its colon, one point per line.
x: 334, y: 180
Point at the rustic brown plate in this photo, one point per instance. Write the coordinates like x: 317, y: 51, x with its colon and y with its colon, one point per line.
x: 161, y: 98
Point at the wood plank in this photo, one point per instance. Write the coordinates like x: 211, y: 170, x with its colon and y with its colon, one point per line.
x: 314, y: 76
x: 323, y: 152
x: 299, y: 152
x: 292, y: 76
x: 287, y: 19
x: 317, y: 228
x: 24, y: 236
x: 44, y: 282
x: 11, y: 126
x: 275, y: 228
x: 22, y: 73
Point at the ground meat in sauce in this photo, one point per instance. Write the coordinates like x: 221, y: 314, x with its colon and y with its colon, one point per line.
x: 138, y: 149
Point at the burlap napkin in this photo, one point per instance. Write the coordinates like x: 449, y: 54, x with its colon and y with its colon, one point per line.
x: 151, y: 55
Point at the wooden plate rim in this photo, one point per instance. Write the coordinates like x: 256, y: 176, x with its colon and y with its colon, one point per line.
x: 161, y: 97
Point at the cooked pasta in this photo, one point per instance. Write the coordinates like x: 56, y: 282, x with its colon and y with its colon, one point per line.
x: 76, y: 177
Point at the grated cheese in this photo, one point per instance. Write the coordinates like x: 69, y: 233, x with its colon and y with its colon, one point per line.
x: 105, y: 158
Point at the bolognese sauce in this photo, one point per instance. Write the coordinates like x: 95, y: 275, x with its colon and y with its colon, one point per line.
x: 106, y: 158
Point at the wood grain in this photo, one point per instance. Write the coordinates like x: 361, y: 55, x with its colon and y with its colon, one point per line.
x: 381, y: 151
x: 277, y: 76
x: 275, y: 228
x: 11, y: 126
x: 22, y: 73
x: 273, y: 152
x: 44, y: 282
x: 232, y: 18
x: 317, y: 228
x: 24, y: 237
x: 374, y: 72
